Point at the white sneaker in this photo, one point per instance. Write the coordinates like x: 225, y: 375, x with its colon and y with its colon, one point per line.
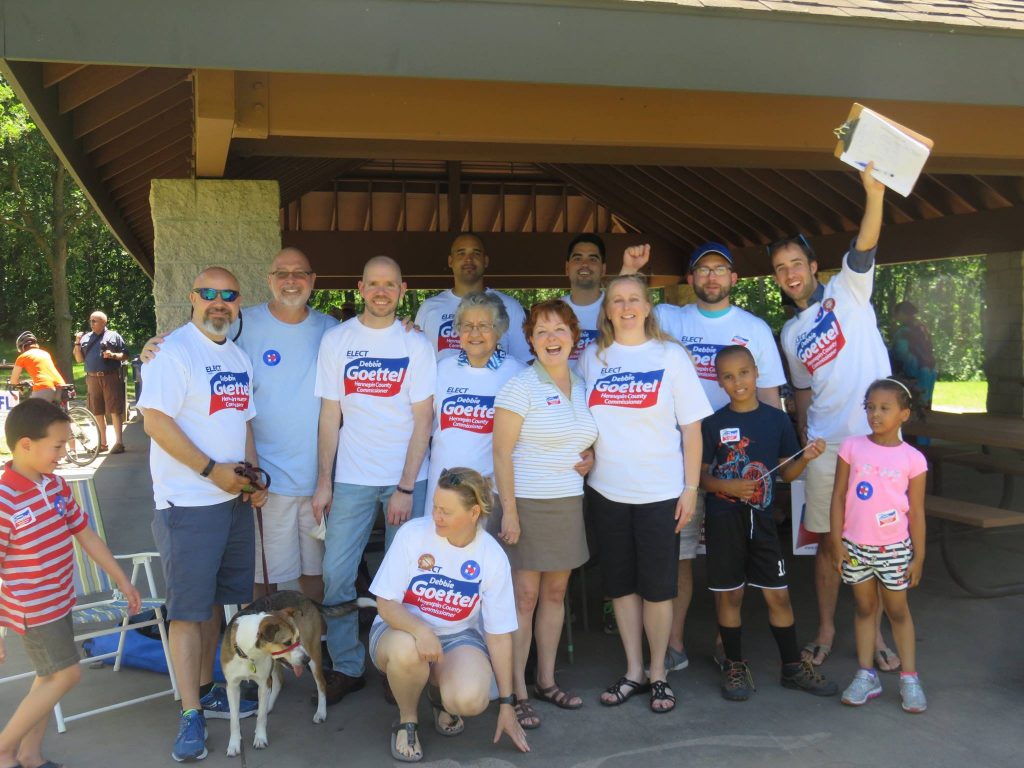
x: 865, y: 686
x: 913, y: 695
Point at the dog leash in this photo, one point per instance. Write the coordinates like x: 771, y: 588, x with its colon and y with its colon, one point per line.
x: 259, y: 479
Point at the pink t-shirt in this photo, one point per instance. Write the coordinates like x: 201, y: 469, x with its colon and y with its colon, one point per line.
x: 876, y: 500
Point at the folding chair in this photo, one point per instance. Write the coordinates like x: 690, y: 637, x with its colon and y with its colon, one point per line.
x: 91, y: 581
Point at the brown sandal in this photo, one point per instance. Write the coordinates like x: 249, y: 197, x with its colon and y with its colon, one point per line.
x: 558, y: 697
x: 525, y: 711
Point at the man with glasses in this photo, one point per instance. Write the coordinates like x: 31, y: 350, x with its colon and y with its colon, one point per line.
x: 379, y: 380
x: 834, y: 351
x: 705, y: 328
x: 436, y: 316
x: 102, y: 351
x: 197, y: 405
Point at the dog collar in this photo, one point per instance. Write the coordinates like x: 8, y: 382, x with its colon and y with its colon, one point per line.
x: 291, y: 647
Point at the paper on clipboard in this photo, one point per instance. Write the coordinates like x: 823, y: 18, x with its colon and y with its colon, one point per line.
x: 899, y: 153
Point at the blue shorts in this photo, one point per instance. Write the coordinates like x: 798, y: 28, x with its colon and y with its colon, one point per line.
x: 470, y: 637
x: 208, y: 556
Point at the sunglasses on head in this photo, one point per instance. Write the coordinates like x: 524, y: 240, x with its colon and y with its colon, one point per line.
x: 798, y: 240
x: 451, y: 477
x: 209, y: 294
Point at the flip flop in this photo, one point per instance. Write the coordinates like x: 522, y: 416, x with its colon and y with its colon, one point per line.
x: 410, y: 734
x: 814, y: 650
x: 454, y: 727
x: 887, y: 661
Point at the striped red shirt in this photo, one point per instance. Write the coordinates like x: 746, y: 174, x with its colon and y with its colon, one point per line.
x: 37, y: 522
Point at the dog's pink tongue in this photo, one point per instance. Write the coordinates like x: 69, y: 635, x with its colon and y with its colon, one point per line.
x: 297, y: 669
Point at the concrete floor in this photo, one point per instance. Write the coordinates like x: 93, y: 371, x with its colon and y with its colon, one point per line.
x: 968, y: 650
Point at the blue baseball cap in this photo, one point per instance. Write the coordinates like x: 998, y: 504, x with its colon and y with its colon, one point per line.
x: 706, y: 250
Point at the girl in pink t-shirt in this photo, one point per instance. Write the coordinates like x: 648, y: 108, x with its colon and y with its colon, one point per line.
x: 878, y: 535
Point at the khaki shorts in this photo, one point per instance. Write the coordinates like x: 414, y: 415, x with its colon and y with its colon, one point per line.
x: 689, y: 537
x: 291, y: 551
x: 821, y: 475
x: 51, y: 647
x: 106, y: 394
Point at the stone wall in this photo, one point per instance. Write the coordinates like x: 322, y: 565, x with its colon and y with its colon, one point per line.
x: 199, y: 223
x: 1003, y: 328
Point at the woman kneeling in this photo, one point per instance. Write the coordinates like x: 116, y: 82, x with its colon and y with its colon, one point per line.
x: 443, y: 581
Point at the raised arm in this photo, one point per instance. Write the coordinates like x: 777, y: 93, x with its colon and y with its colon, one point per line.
x: 871, y: 224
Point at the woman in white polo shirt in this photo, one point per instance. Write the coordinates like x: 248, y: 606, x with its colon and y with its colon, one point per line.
x: 647, y: 401
x: 542, y: 427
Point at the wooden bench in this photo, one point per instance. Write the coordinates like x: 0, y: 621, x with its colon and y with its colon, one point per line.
x: 1009, y: 466
x: 976, y: 516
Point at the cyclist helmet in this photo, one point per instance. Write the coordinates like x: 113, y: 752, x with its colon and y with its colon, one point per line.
x: 25, y: 340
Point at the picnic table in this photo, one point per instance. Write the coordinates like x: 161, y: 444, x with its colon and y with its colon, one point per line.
x: 975, y: 435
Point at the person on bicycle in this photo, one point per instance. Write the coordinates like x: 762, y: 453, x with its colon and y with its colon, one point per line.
x: 46, y: 379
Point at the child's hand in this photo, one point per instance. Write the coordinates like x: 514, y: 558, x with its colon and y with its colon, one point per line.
x: 131, y: 594
x: 914, y: 571
x: 814, y: 449
x: 840, y: 554
x: 741, y: 489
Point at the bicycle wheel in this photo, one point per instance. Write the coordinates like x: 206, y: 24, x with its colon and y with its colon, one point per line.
x: 85, y: 434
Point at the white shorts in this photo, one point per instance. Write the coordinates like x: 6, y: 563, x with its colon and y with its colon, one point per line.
x: 291, y: 551
x: 689, y: 537
x: 821, y: 476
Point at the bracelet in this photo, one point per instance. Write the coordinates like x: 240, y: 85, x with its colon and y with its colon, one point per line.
x: 690, y: 488
x: 510, y: 699
x: 406, y: 491
x: 209, y: 468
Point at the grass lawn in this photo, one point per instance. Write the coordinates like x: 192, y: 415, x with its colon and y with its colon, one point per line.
x: 960, y: 396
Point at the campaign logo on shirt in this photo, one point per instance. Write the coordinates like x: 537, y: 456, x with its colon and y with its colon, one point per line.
x: 472, y: 413
x: 887, y: 518
x: 822, y: 343
x: 271, y: 357
x: 864, y: 490
x: 628, y: 389
x: 740, y: 340
x: 729, y: 435
x: 425, y: 562
x: 60, y: 506
x: 587, y: 337
x: 553, y: 400
x: 229, y: 391
x: 447, y: 336
x: 375, y: 376
x: 442, y: 597
x: 470, y: 569
x: 23, y: 519
x: 703, y: 356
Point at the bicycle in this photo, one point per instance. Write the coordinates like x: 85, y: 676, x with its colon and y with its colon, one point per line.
x: 84, y: 446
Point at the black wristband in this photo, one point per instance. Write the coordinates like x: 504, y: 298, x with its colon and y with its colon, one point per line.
x: 510, y: 699
x: 209, y: 468
x: 406, y: 491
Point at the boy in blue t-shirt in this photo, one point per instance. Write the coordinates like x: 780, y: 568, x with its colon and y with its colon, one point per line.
x: 744, y: 443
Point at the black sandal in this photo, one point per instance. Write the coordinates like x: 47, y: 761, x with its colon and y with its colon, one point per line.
x: 616, y: 690
x: 410, y: 733
x: 661, y: 692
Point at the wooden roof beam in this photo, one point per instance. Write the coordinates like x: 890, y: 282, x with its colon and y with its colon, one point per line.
x: 54, y: 73
x: 713, y: 179
x: 140, y: 115
x: 215, y: 120
x: 175, y: 140
x: 121, y: 99
x: 177, y: 121
x: 90, y: 82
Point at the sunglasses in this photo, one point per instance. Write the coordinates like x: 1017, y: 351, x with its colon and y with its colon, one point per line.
x: 209, y: 294
x: 799, y: 240
x: 451, y: 477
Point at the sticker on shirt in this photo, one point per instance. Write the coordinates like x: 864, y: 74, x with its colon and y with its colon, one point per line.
x: 441, y: 597
x: 425, y: 562
x: 60, y: 506
x: 587, y: 337
x: 553, y: 400
x: 375, y: 376
x: 887, y: 518
x: 729, y: 435
x: 470, y: 569
x: 864, y: 490
x: 23, y: 519
x: 229, y: 391
x: 447, y: 336
x: 271, y: 357
x: 471, y: 413
x: 703, y: 356
x: 822, y: 343
x: 739, y: 340
x: 628, y: 389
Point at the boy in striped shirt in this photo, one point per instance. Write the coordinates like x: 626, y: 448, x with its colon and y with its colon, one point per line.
x: 38, y: 517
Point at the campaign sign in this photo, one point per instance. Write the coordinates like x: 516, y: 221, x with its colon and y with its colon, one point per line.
x: 442, y: 597
x: 703, y: 356
x: 628, y: 389
x: 375, y: 376
x: 229, y: 391
x: 447, y: 336
x: 7, y: 401
x: 472, y: 413
x: 820, y: 345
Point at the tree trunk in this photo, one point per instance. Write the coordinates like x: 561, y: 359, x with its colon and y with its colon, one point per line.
x: 58, y: 259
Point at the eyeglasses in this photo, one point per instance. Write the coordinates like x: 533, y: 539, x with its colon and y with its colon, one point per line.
x: 799, y: 240
x: 209, y: 294
x: 284, y: 274
x: 468, y: 328
x: 720, y: 271
x: 450, y: 476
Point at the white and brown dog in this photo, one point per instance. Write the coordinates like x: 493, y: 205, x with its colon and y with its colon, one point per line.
x: 282, y: 630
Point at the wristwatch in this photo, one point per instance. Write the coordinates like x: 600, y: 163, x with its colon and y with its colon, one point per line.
x: 209, y: 468
x: 510, y: 699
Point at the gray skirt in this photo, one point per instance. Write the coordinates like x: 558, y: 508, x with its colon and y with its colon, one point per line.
x: 553, y: 537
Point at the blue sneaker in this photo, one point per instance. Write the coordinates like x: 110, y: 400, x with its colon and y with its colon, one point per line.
x: 215, y: 705
x: 191, y: 742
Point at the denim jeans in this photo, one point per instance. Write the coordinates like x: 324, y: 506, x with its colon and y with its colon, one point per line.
x: 348, y: 530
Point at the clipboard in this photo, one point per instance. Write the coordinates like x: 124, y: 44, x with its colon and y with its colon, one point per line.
x: 898, y: 152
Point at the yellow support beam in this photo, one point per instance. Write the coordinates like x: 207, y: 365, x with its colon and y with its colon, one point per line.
x: 215, y: 120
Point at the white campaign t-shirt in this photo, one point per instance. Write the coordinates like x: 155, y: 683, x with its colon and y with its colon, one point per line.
x: 638, y: 395
x: 376, y: 374
x: 704, y: 337
x: 464, y: 417
x: 450, y: 588
x: 587, y: 316
x: 437, y: 319
x: 207, y: 389
x: 834, y: 348
x: 283, y: 357
x: 555, y: 430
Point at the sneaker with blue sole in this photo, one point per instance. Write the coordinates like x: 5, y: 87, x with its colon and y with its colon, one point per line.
x: 215, y: 705
x: 190, y: 745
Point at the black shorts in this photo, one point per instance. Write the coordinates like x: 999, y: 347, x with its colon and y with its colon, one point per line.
x: 743, y: 548
x: 638, y: 546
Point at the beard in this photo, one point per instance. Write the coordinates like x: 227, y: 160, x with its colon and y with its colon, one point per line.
x: 216, y: 324
x: 292, y: 301
x: 721, y: 292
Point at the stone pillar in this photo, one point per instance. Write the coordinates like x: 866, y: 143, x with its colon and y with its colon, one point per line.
x: 199, y: 223
x: 1003, y: 329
